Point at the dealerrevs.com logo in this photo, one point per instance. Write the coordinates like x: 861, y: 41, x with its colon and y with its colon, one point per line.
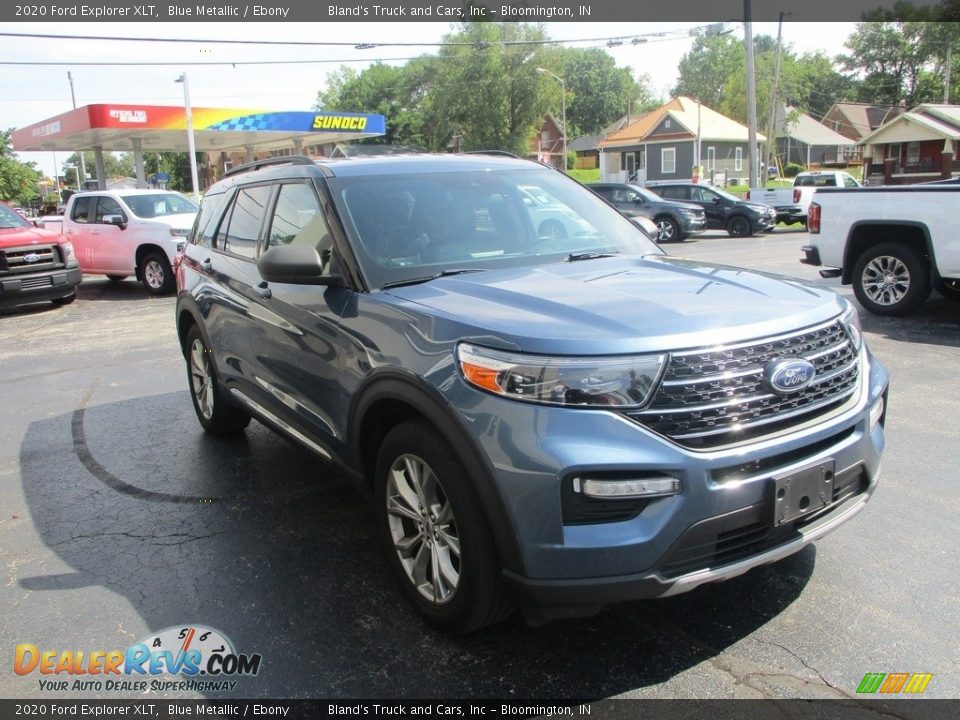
x: 190, y: 658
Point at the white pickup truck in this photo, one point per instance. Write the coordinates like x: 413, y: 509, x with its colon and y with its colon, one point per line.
x: 791, y: 203
x: 129, y: 232
x: 893, y: 244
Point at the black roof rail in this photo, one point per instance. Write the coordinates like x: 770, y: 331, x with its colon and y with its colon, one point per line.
x: 266, y: 162
x: 502, y: 153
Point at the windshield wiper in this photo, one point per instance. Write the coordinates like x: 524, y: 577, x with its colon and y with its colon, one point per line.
x: 589, y: 255
x: 428, y: 278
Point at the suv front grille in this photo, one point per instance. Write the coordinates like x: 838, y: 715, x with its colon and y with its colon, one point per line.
x: 718, y: 396
x: 29, y: 259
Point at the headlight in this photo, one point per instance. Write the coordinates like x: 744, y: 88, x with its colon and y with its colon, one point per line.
x: 69, y: 256
x: 851, y: 321
x: 624, y: 381
x: 179, y: 232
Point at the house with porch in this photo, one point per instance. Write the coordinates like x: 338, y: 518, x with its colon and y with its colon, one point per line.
x: 546, y: 145
x: 801, y: 139
x: 913, y: 147
x: 670, y: 142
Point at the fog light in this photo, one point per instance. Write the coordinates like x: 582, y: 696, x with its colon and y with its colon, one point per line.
x: 636, y: 488
x: 876, y: 412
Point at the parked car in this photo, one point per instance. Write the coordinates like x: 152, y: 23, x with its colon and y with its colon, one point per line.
x: 893, y: 244
x: 36, y: 265
x: 723, y: 210
x: 129, y: 232
x: 556, y: 422
x: 793, y: 203
x: 551, y: 217
x: 674, y: 220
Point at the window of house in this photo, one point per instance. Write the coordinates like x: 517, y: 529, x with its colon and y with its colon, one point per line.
x: 668, y: 160
x: 738, y: 159
x: 893, y: 151
x: 666, y: 123
x: 913, y: 153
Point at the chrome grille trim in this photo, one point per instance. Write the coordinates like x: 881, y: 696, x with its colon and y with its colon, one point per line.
x: 12, y: 260
x: 718, y: 396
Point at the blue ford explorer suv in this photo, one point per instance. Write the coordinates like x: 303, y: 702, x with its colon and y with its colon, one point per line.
x: 547, y: 421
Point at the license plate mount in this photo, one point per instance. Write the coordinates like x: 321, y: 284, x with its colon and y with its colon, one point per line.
x: 802, y: 492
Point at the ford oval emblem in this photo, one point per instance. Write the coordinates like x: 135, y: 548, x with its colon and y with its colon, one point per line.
x: 789, y: 375
x: 31, y: 257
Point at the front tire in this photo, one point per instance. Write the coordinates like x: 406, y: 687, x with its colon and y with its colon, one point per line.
x: 216, y: 416
x: 668, y: 230
x: 434, y: 531
x: 156, y: 273
x: 739, y: 226
x: 891, y: 279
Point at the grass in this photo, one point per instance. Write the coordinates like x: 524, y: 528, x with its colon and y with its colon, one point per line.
x: 585, y: 176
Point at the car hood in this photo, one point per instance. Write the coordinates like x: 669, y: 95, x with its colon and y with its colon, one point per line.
x: 14, y: 237
x: 619, y: 305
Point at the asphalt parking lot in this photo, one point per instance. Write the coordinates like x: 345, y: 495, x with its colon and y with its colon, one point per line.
x: 121, y: 518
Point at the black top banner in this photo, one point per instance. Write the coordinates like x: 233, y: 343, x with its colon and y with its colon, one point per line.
x: 534, y: 11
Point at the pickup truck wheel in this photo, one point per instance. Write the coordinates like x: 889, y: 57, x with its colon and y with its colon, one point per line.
x: 65, y: 300
x: 216, y: 416
x: 891, y: 279
x: 950, y: 289
x: 434, y: 531
x: 156, y: 274
x: 738, y: 226
x: 667, y: 230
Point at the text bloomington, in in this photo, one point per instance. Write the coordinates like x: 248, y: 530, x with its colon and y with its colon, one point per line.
x: 505, y: 12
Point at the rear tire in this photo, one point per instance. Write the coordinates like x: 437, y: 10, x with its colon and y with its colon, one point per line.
x: 434, y: 531
x: 216, y: 416
x: 891, y: 279
x: 156, y: 273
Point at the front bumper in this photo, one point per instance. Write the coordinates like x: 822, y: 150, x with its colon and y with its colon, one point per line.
x: 38, y: 287
x: 719, y: 526
x: 692, y: 226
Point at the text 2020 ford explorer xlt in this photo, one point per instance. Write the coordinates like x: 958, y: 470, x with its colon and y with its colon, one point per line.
x: 555, y: 421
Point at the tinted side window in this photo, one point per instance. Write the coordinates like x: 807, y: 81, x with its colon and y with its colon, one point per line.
x: 673, y: 193
x: 206, y: 222
x: 603, y: 192
x: 108, y: 206
x: 81, y: 211
x: 246, y: 218
x: 297, y: 219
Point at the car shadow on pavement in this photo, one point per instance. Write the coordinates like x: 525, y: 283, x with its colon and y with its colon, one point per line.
x: 259, y: 539
x: 936, y: 322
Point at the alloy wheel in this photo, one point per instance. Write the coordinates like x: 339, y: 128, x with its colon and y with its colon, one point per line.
x: 886, y: 280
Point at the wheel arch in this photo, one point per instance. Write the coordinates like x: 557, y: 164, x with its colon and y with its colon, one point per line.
x: 142, y: 251
x: 864, y: 234
x: 391, y: 398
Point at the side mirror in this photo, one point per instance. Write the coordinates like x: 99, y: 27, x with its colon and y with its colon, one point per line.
x: 297, y: 265
x: 115, y: 220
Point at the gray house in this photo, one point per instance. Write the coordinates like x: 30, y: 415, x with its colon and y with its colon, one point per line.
x: 801, y: 139
x: 674, y: 140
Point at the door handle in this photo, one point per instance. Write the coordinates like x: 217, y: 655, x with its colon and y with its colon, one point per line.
x: 206, y: 265
x: 264, y: 290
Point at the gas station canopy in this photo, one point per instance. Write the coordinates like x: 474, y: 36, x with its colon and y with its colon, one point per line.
x: 157, y: 128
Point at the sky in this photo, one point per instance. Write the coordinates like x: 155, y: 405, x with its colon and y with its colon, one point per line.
x: 29, y: 94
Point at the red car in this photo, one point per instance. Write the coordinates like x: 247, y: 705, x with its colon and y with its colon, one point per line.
x: 35, y: 264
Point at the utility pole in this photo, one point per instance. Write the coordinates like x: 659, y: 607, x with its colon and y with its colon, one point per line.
x: 946, y: 79
x: 772, y: 125
x: 83, y: 167
x: 751, y: 95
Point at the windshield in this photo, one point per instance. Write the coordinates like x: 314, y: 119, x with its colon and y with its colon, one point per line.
x: 159, y: 204
x: 11, y: 219
x: 409, y: 226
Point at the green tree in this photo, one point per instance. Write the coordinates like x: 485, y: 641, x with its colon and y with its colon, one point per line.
x: 18, y: 180
x: 598, y: 92
x: 706, y: 69
x: 114, y: 164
